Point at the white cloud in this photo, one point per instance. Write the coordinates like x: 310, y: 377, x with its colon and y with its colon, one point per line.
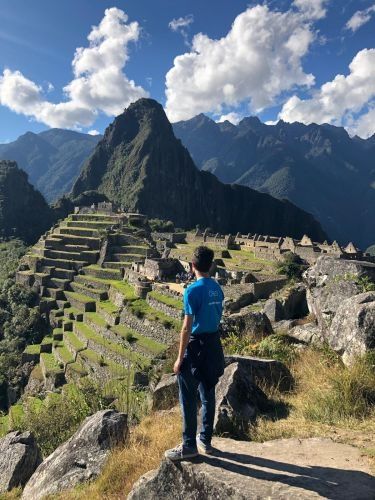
x: 258, y: 59
x: 232, y: 117
x: 364, y: 126
x: 337, y: 100
x: 181, y: 25
x: 181, y: 22
x: 360, y: 18
x: 99, y: 83
x: 93, y: 132
x: 311, y: 9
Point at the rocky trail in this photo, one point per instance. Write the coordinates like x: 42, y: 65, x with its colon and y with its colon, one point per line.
x: 282, y: 469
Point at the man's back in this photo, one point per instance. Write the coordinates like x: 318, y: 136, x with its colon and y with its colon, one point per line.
x: 204, y: 300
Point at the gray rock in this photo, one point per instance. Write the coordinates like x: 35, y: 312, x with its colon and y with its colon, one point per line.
x: 295, y: 303
x: 81, y: 458
x: 329, y: 282
x: 283, y: 326
x: 248, y: 322
x: 283, y: 469
x: 310, y: 333
x: 268, y: 372
x: 19, y: 457
x: 352, y: 331
x: 273, y: 310
x: 238, y: 401
x: 165, y: 394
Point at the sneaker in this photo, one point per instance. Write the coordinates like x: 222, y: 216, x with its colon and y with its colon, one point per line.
x: 181, y: 452
x: 205, y: 448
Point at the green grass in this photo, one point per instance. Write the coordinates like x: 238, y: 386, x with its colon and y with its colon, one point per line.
x: 108, y: 306
x: 125, y: 289
x: 4, y: 425
x: 112, y: 346
x: 116, y: 369
x: 141, y: 309
x: 78, y: 368
x: 145, y: 342
x: 33, y: 349
x: 166, y: 299
x: 74, y: 341
x: 50, y: 363
x: 64, y: 353
x: 47, y: 340
x: 79, y: 296
x: 96, y: 318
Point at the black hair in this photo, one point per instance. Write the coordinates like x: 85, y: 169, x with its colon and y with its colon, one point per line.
x: 202, y: 259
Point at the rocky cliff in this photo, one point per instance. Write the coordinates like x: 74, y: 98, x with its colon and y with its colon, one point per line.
x: 141, y: 165
x: 24, y: 213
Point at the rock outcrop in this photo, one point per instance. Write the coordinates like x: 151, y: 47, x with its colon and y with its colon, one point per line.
x: 165, y: 394
x: 140, y: 156
x: 288, y: 469
x: 330, y: 281
x: 238, y: 401
x: 248, y: 322
x: 19, y: 457
x: 352, y: 332
x: 79, y: 459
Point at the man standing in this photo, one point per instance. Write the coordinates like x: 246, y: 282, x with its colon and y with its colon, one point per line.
x: 200, y: 361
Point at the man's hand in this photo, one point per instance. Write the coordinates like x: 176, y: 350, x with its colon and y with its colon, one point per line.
x: 177, y: 366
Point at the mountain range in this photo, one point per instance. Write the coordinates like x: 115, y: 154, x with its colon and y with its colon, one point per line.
x: 141, y: 165
x: 52, y: 159
x: 320, y: 168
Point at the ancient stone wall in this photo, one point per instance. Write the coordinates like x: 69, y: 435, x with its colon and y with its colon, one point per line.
x: 160, y: 306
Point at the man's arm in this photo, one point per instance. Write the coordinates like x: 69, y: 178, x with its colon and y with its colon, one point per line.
x: 184, y: 340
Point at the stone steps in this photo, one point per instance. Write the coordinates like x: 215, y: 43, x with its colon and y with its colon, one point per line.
x: 95, y: 293
x: 79, y: 231
x: 55, y: 293
x: 61, y: 283
x: 62, y: 264
x: 69, y: 239
x: 81, y: 302
x: 132, y: 249
x: 92, y: 281
x: 89, y: 256
x: 100, y: 272
x: 91, y: 224
x: 57, y: 334
x: 66, y: 274
x: 116, y: 265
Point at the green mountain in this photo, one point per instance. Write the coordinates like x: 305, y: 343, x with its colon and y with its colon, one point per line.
x: 318, y: 167
x: 24, y: 213
x: 141, y: 165
x: 52, y: 159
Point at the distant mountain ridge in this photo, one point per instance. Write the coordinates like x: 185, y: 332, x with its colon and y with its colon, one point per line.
x: 141, y: 165
x: 52, y: 159
x: 24, y: 213
x: 317, y: 167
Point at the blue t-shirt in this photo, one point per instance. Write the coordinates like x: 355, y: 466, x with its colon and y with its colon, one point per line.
x: 204, y: 300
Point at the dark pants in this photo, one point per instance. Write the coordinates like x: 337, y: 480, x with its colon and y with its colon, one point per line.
x: 188, y: 389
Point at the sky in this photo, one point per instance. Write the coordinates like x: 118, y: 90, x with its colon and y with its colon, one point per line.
x: 77, y: 64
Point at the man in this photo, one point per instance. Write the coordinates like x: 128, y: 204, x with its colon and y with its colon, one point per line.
x: 200, y: 361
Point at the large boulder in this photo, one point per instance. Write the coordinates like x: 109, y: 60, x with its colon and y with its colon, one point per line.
x: 302, y: 469
x: 266, y: 372
x: 238, y: 401
x: 274, y: 310
x: 19, y: 457
x: 165, y: 394
x: 248, y: 322
x: 352, y: 331
x: 309, y: 333
x: 331, y: 281
x: 81, y: 458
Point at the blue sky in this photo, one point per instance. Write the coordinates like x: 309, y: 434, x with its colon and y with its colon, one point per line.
x: 272, y: 63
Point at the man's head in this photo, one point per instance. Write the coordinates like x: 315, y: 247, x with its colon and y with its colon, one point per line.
x: 202, y: 259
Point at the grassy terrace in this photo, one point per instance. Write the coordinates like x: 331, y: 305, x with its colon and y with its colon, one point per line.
x: 96, y: 318
x: 115, y: 369
x: 142, y: 309
x: 166, y: 299
x: 112, y: 346
x: 108, y: 307
x: 74, y: 341
x: 64, y: 353
x: 32, y: 349
x: 130, y: 335
x: 240, y: 259
x: 51, y: 364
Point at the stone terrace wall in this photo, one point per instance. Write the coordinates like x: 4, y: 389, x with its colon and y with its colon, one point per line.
x: 170, y: 311
x: 148, y: 328
x: 263, y: 289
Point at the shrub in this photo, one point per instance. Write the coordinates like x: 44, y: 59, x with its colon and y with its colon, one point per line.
x: 291, y: 265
